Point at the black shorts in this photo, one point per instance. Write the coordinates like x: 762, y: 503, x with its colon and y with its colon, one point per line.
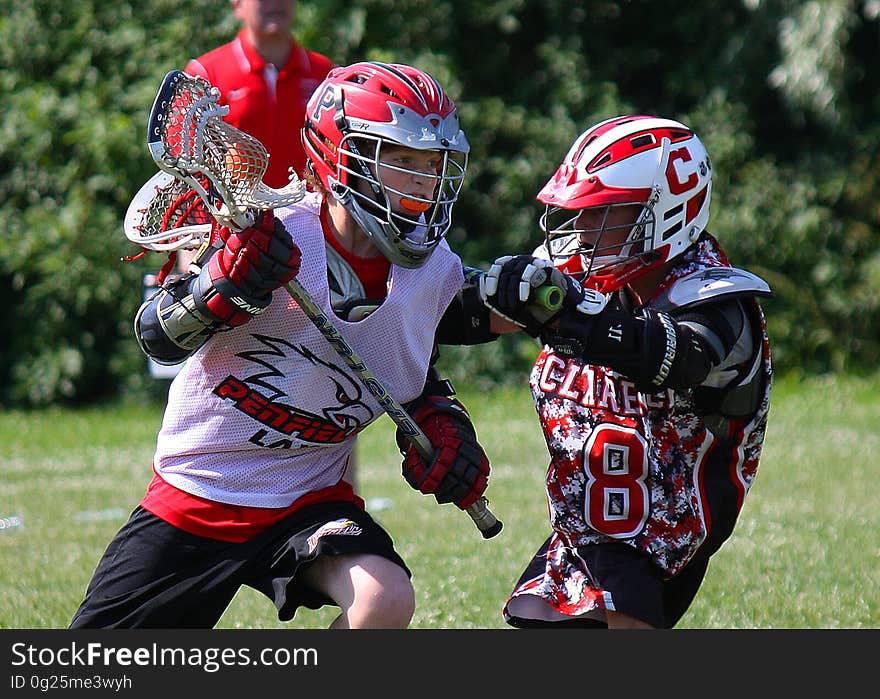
x: 637, y: 585
x: 154, y: 575
x: 576, y: 588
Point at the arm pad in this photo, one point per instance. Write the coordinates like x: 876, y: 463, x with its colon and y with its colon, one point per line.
x: 466, y: 320
x: 168, y: 326
x: 651, y: 348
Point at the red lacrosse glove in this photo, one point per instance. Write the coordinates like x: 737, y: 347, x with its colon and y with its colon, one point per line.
x: 238, y: 280
x: 459, y: 470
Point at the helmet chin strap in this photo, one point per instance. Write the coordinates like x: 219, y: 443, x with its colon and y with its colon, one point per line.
x: 616, y: 271
x: 618, y: 276
x: 411, y: 216
x: 406, y: 225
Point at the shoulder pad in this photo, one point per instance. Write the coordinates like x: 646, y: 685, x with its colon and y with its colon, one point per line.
x: 344, y: 283
x: 712, y: 283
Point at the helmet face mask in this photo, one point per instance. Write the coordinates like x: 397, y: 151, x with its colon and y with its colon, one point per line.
x: 631, y: 194
x: 605, y: 237
x: 404, y: 224
x: 357, y: 123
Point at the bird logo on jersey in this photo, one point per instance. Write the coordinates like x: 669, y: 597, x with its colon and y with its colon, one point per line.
x: 260, y: 396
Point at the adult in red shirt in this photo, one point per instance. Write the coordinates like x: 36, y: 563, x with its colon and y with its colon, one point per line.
x: 266, y: 78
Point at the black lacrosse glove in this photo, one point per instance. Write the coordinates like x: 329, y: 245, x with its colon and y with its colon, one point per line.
x: 510, y: 288
x: 237, y: 282
x: 459, y: 469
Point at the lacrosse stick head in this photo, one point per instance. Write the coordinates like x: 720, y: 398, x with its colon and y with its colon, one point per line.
x: 188, y: 138
x: 167, y: 214
x: 357, y: 115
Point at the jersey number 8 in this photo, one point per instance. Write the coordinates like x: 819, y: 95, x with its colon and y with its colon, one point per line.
x: 616, y: 466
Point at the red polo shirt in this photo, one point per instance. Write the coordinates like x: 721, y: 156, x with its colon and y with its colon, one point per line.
x: 271, y: 110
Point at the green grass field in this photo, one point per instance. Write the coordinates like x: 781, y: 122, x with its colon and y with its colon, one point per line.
x: 805, y: 554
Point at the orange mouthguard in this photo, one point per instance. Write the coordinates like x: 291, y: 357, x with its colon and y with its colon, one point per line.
x: 413, y: 205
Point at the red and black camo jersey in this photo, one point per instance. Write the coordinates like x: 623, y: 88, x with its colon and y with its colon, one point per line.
x: 631, y: 467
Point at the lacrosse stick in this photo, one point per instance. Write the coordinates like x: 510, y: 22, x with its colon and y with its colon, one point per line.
x: 166, y: 215
x: 188, y: 138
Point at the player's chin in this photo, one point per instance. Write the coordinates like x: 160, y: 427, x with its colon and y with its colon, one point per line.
x: 405, y: 224
x: 407, y: 215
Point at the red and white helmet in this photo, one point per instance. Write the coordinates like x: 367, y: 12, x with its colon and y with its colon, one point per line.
x: 350, y: 116
x: 656, y: 163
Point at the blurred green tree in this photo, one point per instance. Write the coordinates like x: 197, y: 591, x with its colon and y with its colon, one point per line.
x: 784, y: 93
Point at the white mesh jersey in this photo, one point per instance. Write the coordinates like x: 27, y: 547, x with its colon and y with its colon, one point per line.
x: 268, y: 411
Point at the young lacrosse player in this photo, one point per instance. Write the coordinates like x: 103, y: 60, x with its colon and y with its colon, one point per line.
x: 653, y: 385
x: 263, y: 417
